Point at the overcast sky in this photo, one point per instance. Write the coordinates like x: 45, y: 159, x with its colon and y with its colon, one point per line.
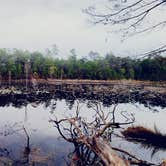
x: 38, y: 24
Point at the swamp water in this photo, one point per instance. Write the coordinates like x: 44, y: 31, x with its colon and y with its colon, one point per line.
x: 44, y: 146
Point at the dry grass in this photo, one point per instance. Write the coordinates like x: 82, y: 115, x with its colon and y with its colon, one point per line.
x: 86, y: 81
x: 148, y: 137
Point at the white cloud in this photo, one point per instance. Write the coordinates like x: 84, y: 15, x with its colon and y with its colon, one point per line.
x: 37, y: 24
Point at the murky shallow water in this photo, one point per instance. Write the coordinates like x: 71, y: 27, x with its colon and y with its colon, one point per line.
x: 45, y: 142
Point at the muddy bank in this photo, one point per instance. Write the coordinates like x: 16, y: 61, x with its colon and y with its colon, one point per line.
x: 123, y: 91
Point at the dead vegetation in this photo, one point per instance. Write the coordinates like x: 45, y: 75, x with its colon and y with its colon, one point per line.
x: 147, y: 137
x: 92, y: 139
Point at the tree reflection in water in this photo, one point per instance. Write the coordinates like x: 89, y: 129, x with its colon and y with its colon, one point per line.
x: 29, y: 155
x: 82, y: 155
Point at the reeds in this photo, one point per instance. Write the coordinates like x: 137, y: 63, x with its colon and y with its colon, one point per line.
x: 147, y: 137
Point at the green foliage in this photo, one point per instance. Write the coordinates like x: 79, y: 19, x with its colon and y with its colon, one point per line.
x: 94, y: 67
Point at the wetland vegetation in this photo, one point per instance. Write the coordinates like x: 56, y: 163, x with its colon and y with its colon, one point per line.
x: 15, y: 63
x: 99, y: 109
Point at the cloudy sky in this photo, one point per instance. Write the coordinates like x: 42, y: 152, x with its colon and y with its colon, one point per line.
x: 38, y: 24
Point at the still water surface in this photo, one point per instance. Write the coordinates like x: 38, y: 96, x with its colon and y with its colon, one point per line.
x: 45, y: 142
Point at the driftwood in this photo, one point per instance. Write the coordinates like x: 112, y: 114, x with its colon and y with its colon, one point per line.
x: 106, y: 153
x: 97, y: 145
x: 92, y: 139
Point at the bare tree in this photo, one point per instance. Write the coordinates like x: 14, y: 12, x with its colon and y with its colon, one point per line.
x: 131, y: 17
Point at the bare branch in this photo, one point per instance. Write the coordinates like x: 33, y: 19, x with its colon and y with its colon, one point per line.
x: 131, y: 18
x: 130, y: 15
x: 155, y: 52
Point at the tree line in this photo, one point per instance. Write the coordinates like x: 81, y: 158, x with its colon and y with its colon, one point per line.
x: 17, y: 63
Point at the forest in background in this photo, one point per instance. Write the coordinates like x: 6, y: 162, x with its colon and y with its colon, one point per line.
x: 109, y: 67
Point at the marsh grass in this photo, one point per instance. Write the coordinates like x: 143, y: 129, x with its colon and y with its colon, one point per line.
x: 147, y: 137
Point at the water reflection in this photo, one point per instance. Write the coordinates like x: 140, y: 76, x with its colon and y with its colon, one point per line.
x: 29, y: 155
x: 82, y: 156
x: 38, y: 97
x: 44, y: 143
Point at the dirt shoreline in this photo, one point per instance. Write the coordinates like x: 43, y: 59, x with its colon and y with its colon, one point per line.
x: 146, y: 92
x: 91, y: 82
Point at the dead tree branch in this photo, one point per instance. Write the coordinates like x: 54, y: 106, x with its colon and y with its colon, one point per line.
x: 131, y: 17
x: 89, y: 138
